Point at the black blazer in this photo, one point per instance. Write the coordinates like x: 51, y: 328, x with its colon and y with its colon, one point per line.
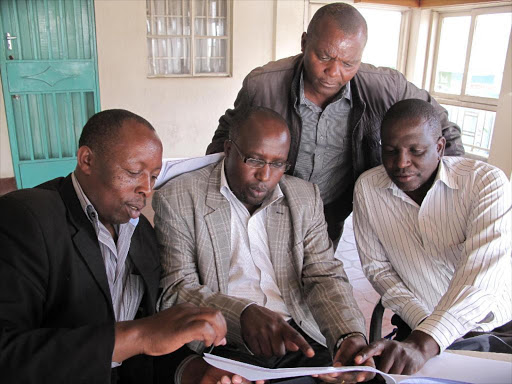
x: 56, y: 315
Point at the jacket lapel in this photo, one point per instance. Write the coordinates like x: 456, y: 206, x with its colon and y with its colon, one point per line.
x: 140, y: 255
x: 218, y: 222
x: 279, y: 240
x: 85, y: 239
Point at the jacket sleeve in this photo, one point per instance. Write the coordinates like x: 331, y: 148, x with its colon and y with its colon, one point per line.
x: 32, y: 349
x: 327, y: 288
x: 225, y: 122
x: 183, y: 269
x: 451, y: 131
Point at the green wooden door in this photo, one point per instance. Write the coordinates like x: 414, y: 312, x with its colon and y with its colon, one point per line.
x: 50, y: 83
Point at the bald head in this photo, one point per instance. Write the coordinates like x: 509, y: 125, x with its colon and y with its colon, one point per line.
x: 345, y: 17
x: 253, y: 118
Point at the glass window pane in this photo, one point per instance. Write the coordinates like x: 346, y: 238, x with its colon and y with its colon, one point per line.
x: 218, y: 8
x: 477, y: 126
x: 200, y: 7
x: 451, y: 56
x: 211, y: 56
x: 383, y: 37
x: 200, y: 26
x: 488, y: 53
x: 216, y: 27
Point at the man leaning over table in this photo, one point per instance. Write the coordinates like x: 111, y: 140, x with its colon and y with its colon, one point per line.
x: 333, y: 105
x: 434, y: 238
x: 243, y: 238
x: 79, y: 269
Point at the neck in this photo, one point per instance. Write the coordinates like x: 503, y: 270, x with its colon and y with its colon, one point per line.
x: 320, y: 100
x: 419, y: 194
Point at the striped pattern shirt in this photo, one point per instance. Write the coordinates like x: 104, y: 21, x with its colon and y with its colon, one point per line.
x: 447, y: 263
x: 325, y: 152
x: 126, y: 289
x: 251, y: 273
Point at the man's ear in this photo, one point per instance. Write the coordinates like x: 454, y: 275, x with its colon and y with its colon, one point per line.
x: 441, y: 144
x: 85, y: 159
x: 303, y: 39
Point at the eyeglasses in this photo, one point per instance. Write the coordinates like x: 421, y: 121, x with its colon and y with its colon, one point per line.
x: 258, y: 163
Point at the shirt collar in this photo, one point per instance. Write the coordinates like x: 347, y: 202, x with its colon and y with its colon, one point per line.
x: 87, y: 206
x: 226, y: 191
x: 345, y: 92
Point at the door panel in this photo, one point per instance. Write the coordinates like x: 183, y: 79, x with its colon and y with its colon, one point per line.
x: 50, y: 83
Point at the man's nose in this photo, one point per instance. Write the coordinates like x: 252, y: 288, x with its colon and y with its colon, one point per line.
x: 403, y: 160
x: 263, y: 174
x: 145, y: 185
x: 334, y: 69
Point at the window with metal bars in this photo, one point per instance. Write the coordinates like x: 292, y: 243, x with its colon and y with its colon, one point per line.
x: 188, y: 38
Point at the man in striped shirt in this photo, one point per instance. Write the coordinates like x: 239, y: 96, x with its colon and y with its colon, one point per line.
x: 433, y: 235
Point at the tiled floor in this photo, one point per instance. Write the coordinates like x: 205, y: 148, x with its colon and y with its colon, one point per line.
x: 366, y: 297
x: 364, y: 294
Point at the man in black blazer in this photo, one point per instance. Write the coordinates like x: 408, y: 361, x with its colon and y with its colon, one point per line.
x: 61, y: 318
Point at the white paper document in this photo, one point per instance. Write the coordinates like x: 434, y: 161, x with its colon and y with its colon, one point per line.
x: 175, y: 167
x: 447, y: 368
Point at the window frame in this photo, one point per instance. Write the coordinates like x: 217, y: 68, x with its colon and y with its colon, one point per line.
x: 229, y: 37
x: 465, y: 101
x: 462, y: 100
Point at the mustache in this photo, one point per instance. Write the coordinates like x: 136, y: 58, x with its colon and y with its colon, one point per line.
x: 259, y: 187
x: 139, y: 204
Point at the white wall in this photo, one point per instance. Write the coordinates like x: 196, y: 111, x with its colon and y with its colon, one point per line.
x: 184, y: 111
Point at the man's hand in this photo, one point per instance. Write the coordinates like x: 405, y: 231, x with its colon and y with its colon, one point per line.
x: 349, y: 348
x: 267, y: 334
x: 169, y: 330
x: 401, y: 358
x: 199, y: 371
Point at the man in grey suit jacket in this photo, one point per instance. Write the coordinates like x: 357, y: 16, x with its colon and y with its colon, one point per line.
x: 242, y: 237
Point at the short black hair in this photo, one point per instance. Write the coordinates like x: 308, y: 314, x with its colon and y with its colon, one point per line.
x: 348, y: 19
x: 414, y: 109
x: 101, y: 130
x: 244, y: 115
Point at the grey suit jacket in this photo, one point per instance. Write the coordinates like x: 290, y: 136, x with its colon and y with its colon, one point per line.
x: 192, y: 221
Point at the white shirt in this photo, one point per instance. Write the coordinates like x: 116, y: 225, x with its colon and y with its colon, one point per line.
x: 251, y: 273
x: 126, y: 289
x: 446, y: 264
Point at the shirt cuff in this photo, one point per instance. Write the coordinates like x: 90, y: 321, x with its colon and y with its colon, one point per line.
x: 413, y: 313
x: 443, y: 327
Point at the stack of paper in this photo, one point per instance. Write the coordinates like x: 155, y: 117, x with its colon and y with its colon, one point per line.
x: 447, y: 368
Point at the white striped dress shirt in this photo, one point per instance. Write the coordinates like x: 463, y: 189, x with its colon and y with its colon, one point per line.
x: 126, y: 289
x: 447, y: 263
x: 251, y: 273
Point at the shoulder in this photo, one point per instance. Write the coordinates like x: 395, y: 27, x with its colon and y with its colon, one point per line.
x: 368, y: 73
x: 372, y: 178
x: 36, y: 201
x: 298, y: 191
x: 275, y: 69
x: 195, y: 180
x: 475, y: 172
